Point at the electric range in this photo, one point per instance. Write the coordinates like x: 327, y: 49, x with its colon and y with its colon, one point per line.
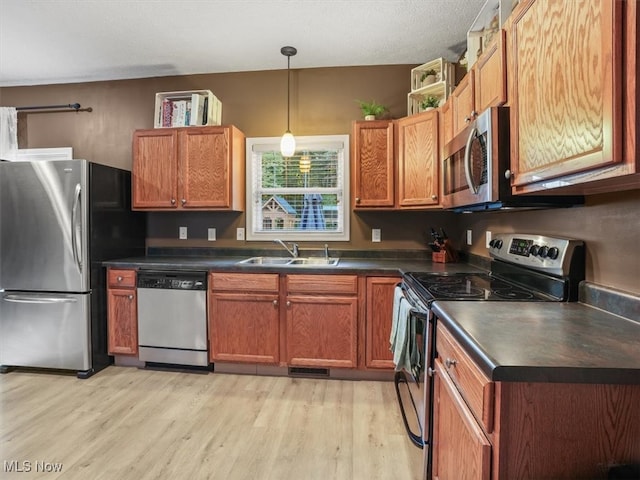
x: 524, y: 267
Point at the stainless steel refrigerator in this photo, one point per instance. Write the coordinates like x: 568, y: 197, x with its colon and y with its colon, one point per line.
x: 60, y: 220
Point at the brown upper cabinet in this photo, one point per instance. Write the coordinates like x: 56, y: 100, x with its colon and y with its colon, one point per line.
x: 395, y: 163
x: 372, y: 173
x: 484, y: 86
x: 191, y: 168
x: 417, y: 166
x: 572, y: 91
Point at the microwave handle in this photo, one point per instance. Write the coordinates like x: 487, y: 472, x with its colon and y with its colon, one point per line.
x: 467, y: 162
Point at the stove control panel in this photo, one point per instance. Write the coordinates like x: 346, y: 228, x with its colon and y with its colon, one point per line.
x: 552, y: 255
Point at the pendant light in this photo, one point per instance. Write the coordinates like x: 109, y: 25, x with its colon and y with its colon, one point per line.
x: 288, y: 142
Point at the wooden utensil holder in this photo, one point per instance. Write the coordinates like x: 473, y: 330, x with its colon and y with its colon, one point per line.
x: 445, y: 255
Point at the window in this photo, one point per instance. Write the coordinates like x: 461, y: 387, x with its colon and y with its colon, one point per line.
x: 302, y: 197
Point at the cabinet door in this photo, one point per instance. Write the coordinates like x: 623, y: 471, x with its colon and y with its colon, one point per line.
x: 461, y: 450
x: 565, y: 89
x: 322, y: 331
x: 203, y: 170
x: 379, y: 308
x: 418, y: 160
x: 463, y: 98
x: 123, y: 321
x: 372, y: 173
x: 244, y: 328
x: 446, y: 122
x: 490, y: 75
x: 155, y: 169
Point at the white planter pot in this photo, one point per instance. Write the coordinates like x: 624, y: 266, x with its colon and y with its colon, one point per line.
x: 369, y: 117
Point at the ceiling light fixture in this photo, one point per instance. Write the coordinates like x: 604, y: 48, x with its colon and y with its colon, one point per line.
x: 288, y: 142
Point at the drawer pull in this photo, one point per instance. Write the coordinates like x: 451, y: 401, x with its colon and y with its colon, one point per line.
x: 119, y: 279
x: 450, y: 362
x: 130, y: 297
x: 275, y: 303
x: 431, y: 372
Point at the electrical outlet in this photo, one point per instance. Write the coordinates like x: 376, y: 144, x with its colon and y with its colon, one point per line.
x: 469, y: 237
x: 211, y: 234
x: 182, y: 233
x: 488, y: 238
x: 375, y: 234
x: 240, y: 233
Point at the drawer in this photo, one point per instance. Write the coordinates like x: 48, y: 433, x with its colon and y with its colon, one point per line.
x: 319, y: 284
x: 240, y: 282
x: 121, y: 278
x: 474, y: 386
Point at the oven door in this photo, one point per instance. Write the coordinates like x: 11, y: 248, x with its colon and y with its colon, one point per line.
x: 467, y: 166
x: 410, y: 380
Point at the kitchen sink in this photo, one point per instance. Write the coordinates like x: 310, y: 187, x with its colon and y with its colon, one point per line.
x: 291, y: 262
x: 266, y: 261
x: 315, y: 261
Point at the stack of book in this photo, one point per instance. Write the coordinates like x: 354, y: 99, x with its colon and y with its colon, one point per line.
x: 184, y: 109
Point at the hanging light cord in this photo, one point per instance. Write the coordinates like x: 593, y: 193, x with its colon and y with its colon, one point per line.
x: 288, y: 89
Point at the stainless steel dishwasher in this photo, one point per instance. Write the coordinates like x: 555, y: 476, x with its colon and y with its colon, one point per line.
x: 172, y: 317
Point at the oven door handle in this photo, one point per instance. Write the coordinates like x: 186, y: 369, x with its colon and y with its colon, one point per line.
x: 467, y: 162
x: 415, y: 438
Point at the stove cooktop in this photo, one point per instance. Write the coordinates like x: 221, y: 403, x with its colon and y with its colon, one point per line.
x: 469, y: 286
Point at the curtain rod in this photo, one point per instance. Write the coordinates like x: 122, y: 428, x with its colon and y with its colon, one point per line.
x: 72, y: 106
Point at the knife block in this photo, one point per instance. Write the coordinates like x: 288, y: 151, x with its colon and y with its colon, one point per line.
x: 440, y: 257
x: 445, y: 255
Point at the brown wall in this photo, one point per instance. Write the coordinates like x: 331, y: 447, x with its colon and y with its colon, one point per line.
x: 322, y: 102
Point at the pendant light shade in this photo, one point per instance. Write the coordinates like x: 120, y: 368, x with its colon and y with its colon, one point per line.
x: 288, y: 142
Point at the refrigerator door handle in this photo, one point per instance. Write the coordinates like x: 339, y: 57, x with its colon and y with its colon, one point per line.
x: 37, y: 299
x: 77, y: 255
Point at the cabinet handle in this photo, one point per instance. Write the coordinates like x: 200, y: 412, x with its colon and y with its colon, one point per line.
x: 507, y: 174
x: 357, y: 199
x: 431, y: 372
x: 130, y: 297
x: 119, y: 278
x: 173, y: 201
x: 434, y: 197
x: 183, y: 201
x: 467, y: 119
x: 474, y: 114
x: 275, y: 303
x: 450, y: 362
x: 288, y: 303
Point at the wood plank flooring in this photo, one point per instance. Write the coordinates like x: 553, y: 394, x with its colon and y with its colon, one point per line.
x: 128, y: 423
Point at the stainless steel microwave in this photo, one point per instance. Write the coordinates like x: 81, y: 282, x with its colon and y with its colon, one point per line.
x: 475, y: 170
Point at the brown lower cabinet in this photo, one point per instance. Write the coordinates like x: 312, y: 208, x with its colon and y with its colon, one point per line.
x: 122, y: 312
x: 379, y: 309
x: 322, y: 320
x: 527, y: 430
x: 244, y: 317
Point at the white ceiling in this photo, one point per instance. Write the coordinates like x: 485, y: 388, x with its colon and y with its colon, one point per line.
x: 67, y: 41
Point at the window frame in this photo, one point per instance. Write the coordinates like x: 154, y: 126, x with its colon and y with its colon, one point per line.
x: 298, y: 236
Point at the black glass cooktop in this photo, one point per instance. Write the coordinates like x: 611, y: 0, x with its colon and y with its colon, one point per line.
x: 469, y: 286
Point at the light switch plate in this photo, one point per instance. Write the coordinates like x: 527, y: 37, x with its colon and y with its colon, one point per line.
x: 182, y: 233
x: 375, y: 234
x: 488, y: 238
x: 240, y: 234
x: 469, y: 237
x: 211, y: 234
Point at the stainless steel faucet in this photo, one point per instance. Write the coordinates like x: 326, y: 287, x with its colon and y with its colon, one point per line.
x: 294, y: 251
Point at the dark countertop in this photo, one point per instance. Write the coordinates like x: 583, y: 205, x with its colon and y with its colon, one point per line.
x: 545, y: 341
x: 372, y: 266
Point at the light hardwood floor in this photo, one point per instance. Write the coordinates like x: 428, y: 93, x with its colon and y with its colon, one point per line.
x: 128, y: 423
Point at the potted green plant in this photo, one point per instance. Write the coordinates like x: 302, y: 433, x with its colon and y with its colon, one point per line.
x: 430, y: 102
x: 371, y: 109
x: 428, y: 77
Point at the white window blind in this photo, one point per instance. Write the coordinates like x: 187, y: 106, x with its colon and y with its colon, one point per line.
x: 302, y: 197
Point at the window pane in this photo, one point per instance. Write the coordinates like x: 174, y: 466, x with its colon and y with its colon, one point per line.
x: 300, y: 212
